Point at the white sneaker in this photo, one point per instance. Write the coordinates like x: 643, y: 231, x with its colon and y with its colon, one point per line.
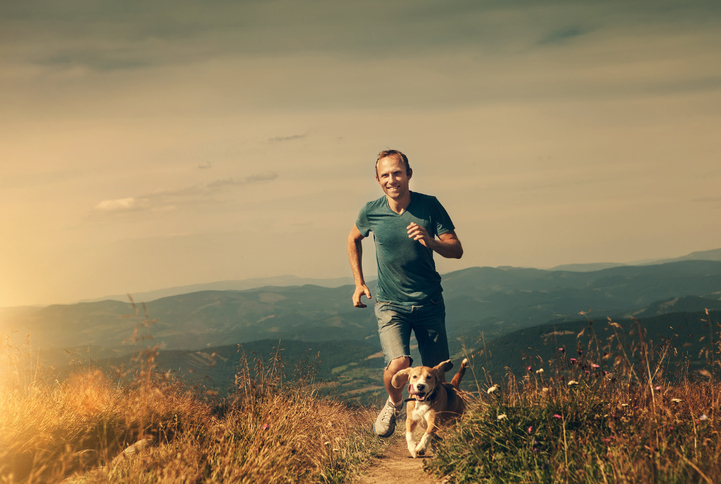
x: 386, y: 422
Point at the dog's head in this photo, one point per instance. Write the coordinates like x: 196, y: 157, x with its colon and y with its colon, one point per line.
x: 422, y: 380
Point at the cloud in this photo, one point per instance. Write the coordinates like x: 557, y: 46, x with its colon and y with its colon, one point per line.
x: 122, y: 205
x: 168, y: 199
x: 281, y: 139
x: 562, y: 36
x: 260, y: 177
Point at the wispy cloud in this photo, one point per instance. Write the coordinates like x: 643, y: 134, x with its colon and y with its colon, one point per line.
x: 281, y: 139
x: 123, y: 205
x: 169, y: 199
x: 563, y: 36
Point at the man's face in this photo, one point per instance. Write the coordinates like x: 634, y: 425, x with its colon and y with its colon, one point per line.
x: 392, y: 177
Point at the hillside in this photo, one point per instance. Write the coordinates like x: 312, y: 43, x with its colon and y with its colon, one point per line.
x: 489, y: 301
x: 686, y: 333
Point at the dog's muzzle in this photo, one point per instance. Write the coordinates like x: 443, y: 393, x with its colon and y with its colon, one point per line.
x: 418, y: 396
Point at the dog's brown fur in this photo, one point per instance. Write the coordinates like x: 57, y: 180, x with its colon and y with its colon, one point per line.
x: 432, y: 402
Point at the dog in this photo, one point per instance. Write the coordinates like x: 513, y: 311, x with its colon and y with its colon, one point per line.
x: 432, y: 402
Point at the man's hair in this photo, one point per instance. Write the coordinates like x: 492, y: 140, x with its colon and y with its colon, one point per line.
x: 395, y: 153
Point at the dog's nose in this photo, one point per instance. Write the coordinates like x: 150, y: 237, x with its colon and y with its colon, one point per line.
x: 420, y: 387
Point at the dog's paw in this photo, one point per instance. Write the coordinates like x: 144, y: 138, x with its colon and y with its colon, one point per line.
x: 412, y: 450
x: 420, y: 449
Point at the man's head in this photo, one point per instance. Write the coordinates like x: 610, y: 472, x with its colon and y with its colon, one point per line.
x: 393, y: 174
x: 397, y: 155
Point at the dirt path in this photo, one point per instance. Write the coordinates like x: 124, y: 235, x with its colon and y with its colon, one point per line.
x: 396, y: 467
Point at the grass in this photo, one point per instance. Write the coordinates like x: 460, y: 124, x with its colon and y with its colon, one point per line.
x: 613, y: 412
x: 610, y: 410
x: 83, y: 429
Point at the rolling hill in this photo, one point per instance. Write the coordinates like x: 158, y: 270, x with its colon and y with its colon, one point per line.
x: 492, y: 301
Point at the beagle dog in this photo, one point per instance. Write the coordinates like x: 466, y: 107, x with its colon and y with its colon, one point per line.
x: 432, y: 402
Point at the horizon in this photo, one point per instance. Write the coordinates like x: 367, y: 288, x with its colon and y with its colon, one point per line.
x: 370, y: 279
x: 146, y: 147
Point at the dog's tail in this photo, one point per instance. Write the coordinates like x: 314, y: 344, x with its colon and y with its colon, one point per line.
x: 456, y: 382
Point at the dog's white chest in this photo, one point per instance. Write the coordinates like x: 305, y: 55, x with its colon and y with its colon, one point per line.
x: 419, y: 412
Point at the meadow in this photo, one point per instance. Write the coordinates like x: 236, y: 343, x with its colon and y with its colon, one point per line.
x: 611, y: 410
x: 607, y: 410
x: 142, y: 425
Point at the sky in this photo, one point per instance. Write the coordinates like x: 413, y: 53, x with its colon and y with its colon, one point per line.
x: 152, y: 144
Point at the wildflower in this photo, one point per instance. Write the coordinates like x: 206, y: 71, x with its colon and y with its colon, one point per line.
x: 596, y: 366
x: 530, y: 429
x: 544, y: 389
x: 492, y: 389
x: 580, y: 352
x: 539, y: 371
x: 562, y: 350
x: 658, y: 388
x: 266, y: 426
x: 703, y: 417
x: 574, y: 361
x: 557, y: 416
x: 501, y: 417
x: 529, y: 368
x: 676, y: 400
x: 572, y: 383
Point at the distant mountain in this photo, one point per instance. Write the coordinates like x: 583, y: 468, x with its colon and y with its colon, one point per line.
x: 597, y: 266
x: 714, y: 254
x: 479, y: 301
x: 237, y: 285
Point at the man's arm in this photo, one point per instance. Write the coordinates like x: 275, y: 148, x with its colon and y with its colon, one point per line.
x: 355, y: 255
x: 447, y: 245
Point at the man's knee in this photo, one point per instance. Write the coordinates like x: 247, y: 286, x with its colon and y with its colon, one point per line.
x: 398, y: 364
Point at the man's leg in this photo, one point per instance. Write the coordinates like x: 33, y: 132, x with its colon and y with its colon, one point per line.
x: 395, y: 335
x: 395, y: 394
x: 429, y: 326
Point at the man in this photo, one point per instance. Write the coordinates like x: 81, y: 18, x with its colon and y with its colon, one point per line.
x: 407, y: 228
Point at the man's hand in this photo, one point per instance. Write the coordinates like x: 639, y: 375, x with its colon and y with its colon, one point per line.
x: 416, y: 232
x: 361, y: 290
x: 448, y: 246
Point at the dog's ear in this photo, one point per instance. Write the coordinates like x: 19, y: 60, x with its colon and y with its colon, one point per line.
x: 444, y: 366
x: 400, y: 378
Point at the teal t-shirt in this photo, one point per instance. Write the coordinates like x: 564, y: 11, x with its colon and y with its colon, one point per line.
x: 406, y: 271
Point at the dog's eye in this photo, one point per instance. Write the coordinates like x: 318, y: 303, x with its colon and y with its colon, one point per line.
x: 414, y: 377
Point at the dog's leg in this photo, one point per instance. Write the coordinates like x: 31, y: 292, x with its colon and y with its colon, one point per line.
x: 456, y: 382
x: 431, y: 428
x: 410, y: 427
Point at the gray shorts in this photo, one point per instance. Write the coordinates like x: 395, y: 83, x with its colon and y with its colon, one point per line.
x: 428, y: 323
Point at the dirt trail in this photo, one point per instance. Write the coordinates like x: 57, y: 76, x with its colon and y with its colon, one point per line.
x: 397, y: 467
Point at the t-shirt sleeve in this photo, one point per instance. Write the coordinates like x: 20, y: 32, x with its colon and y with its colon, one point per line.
x: 362, y: 222
x: 441, y: 218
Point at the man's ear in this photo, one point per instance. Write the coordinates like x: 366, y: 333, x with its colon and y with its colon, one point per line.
x: 400, y: 378
x: 410, y: 172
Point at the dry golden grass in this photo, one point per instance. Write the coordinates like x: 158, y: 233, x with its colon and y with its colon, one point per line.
x: 78, y: 429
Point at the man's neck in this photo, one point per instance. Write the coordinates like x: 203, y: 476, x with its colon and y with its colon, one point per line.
x: 400, y: 205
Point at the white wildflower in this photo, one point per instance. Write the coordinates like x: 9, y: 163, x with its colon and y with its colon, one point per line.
x: 492, y: 389
x: 676, y: 400
x: 572, y: 383
x: 539, y: 371
x: 501, y: 416
x: 703, y: 417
